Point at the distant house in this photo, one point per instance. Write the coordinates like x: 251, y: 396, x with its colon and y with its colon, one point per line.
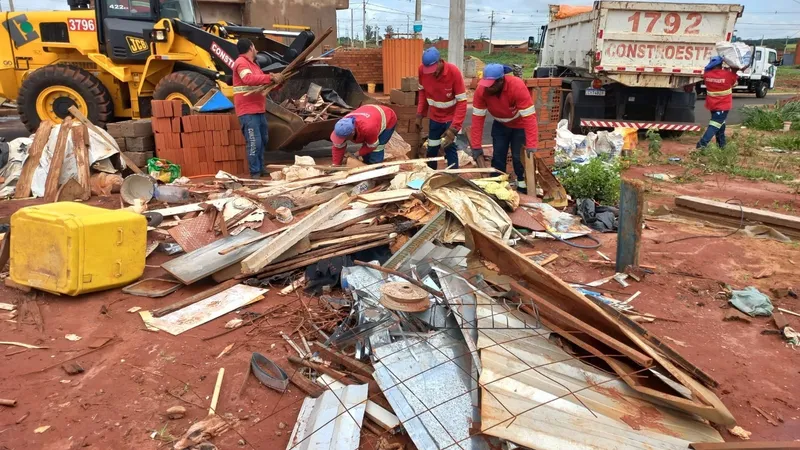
x: 482, y: 45
x: 789, y: 57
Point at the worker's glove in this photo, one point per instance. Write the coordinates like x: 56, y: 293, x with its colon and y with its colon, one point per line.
x: 418, y: 123
x: 449, y: 137
x: 477, y: 153
x: 277, y: 78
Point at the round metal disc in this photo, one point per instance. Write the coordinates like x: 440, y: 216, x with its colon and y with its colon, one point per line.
x: 402, y: 296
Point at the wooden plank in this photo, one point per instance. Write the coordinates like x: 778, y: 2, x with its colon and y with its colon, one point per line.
x: 193, y: 266
x: 56, y: 161
x: 23, y: 188
x: 345, y: 361
x: 631, y: 217
x: 192, y: 207
x: 5, y: 250
x: 765, y: 445
x: 80, y: 136
x: 730, y: 221
x: 310, y: 255
x: 735, y: 211
x: 399, y: 162
x: 471, y: 170
x: 307, y: 262
x: 215, y: 396
x: 350, y: 231
x: 348, y: 216
x: 396, y: 195
x: 530, y: 171
x: 268, y: 253
x: 368, y: 175
x: 79, y: 115
x: 345, y: 239
x: 194, y: 298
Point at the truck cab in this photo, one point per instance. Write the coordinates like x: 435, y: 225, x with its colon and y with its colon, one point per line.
x: 759, y: 78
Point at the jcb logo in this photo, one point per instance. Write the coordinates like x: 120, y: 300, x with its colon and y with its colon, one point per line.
x: 137, y: 45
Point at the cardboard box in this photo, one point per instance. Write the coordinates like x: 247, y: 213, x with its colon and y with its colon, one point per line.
x: 403, y: 98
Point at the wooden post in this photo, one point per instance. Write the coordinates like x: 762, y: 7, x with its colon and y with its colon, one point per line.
x: 631, y: 212
x: 529, y: 163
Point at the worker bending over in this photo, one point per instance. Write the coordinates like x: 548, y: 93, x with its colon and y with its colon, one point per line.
x: 508, y: 100
x: 442, y: 98
x: 719, y: 83
x: 370, y: 125
x: 251, y: 108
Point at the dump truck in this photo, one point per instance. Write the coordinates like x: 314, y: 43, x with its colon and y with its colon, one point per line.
x: 634, y: 64
x: 110, y: 58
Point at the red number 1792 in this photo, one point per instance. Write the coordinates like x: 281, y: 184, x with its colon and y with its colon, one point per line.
x: 672, y: 22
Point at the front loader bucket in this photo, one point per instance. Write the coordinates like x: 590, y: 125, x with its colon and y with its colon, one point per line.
x: 287, y: 130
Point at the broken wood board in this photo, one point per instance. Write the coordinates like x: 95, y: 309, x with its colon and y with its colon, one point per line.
x: 233, y: 270
x: 208, y: 309
x: 269, y: 252
x: 298, y: 263
x: 398, y: 163
x: 23, y: 187
x: 192, y: 207
x: 703, y: 402
x: 164, y: 310
x: 57, y: 161
x: 198, y: 264
x: 737, y: 212
x: 378, y: 198
x: 368, y: 175
x: 80, y: 141
x: 105, y: 136
x: 346, y: 216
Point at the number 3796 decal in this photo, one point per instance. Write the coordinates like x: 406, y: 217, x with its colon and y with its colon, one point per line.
x: 81, y: 24
x: 672, y: 23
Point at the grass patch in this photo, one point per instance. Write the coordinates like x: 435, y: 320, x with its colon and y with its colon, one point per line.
x: 728, y: 160
x: 771, y: 119
x: 596, y: 179
x: 526, y: 60
x: 785, y: 142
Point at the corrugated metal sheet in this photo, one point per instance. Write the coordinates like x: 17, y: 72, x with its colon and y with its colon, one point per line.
x: 548, y: 417
x: 327, y: 422
x: 401, y: 58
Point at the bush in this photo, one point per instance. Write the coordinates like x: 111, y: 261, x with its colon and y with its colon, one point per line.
x: 771, y: 119
x: 597, y: 180
x: 653, y: 143
x: 785, y: 142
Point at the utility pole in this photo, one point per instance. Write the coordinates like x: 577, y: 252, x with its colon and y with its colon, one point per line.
x: 352, y: 42
x: 376, y: 34
x: 491, y: 28
x: 762, y: 38
x: 455, y: 43
x: 418, y: 17
x: 408, y: 25
x: 364, y: 22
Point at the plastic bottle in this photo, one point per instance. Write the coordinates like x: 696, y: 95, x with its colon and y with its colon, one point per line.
x: 172, y: 194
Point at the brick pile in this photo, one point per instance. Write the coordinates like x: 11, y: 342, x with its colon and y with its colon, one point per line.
x: 135, y: 139
x: 201, y: 144
x: 546, y: 95
x: 406, y: 118
x: 365, y: 63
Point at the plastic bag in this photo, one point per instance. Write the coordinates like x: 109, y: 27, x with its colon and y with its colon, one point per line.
x: 735, y: 54
x: 163, y: 170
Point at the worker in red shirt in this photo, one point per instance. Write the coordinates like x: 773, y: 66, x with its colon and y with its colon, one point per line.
x: 371, y: 126
x: 250, y: 108
x: 443, y: 98
x: 719, y: 83
x: 508, y: 100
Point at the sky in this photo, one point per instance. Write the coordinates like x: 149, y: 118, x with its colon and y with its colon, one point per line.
x: 514, y: 19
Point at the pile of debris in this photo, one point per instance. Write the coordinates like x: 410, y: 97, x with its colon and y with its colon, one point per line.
x: 318, y: 104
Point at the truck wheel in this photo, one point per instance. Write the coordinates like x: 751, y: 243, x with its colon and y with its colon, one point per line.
x: 573, y: 121
x: 184, y: 85
x: 761, y: 89
x: 49, y: 92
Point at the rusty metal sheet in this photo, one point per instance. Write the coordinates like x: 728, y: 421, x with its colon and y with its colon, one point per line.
x: 153, y: 287
x: 194, y: 233
x: 522, y: 218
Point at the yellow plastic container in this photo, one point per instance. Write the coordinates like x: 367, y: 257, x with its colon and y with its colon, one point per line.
x: 71, y: 248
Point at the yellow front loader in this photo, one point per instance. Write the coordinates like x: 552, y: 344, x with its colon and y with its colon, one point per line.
x: 112, y: 60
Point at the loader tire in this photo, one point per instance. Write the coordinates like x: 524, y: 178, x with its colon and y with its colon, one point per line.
x: 48, y: 92
x: 184, y: 85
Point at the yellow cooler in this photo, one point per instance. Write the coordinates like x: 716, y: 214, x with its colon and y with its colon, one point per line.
x: 71, y: 248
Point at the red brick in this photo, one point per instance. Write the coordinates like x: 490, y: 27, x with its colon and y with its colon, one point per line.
x: 157, y: 108
x: 217, y: 139
x: 186, y: 122
x: 177, y: 108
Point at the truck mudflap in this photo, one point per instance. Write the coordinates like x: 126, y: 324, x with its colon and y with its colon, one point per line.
x: 661, y: 126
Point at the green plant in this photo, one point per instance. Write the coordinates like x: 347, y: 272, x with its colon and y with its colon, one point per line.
x: 747, y: 143
x: 653, y: 143
x: 596, y: 179
x: 771, y: 118
x: 785, y: 142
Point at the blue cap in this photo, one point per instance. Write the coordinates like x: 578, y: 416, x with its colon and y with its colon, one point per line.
x: 491, y: 73
x: 343, y: 128
x: 430, y: 57
x: 713, y: 62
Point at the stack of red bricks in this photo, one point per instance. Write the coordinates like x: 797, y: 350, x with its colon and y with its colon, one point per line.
x: 365, y: 63
x: 201, y: 144
x: 406, y: 127
x: 546, y: 95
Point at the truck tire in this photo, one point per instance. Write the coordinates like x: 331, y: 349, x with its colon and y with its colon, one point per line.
x: 48, y: 93
x: 573, y: 121
x: 761, y: 89
x: 184, y: 85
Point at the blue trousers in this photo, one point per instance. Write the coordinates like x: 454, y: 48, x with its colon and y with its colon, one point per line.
x: 435, y: 133
x: 504, y: 137
x: 377, y: 156
x: 715, y: 128
x: 256, y: 136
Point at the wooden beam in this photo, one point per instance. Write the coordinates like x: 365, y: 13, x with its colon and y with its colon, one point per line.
x: 736, y: 212
x: 79, y: 115
x: 56, y: 161
x: 631, y: 217
x: 308, y: 262
x: 163, y: 311
x: 80, y: 137
x: 268, y: 253
x: 345, y: 361
x: 23, y: 188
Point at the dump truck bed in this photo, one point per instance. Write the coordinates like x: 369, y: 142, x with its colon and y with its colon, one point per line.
x: 643, y: 44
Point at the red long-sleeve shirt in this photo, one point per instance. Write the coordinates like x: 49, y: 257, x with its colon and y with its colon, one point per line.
x: 371, y: 121
x: 443, y: 98
x: 719, y: 89
x: 247, y: 73
x: 513, y: 107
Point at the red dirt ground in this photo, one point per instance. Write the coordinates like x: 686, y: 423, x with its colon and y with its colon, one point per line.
x: 120, y: 399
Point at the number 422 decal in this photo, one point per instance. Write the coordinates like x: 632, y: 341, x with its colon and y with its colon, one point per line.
x: 81, y: 24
